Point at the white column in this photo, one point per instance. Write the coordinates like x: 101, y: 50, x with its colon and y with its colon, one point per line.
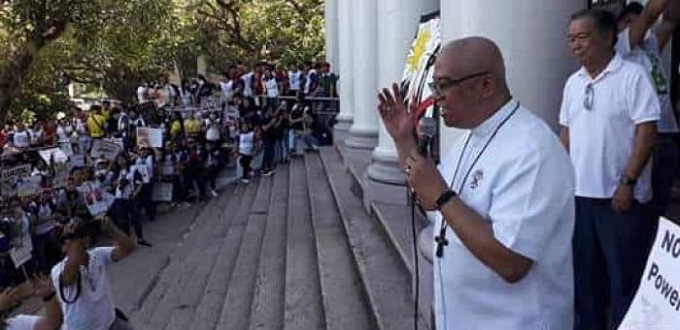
x: 532, y: 37
x: 331, y: 26
x: 397, y: 25
x: 363, y: 135
x: 346, y: 91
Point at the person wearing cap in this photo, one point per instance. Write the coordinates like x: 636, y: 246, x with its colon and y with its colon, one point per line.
x: 81, y: 279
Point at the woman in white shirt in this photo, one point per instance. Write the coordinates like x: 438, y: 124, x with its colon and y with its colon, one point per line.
x: 272, y: 88
x: 246, y: 149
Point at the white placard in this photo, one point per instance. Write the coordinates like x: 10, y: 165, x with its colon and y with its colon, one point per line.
x: 656, y: 305
x: 20, y: 255
x: 55, y: 154
x: 28, y: 186
x: 10, y: 179
x: 149, y: 137
x: 97, y: 200
x: 105, y: 149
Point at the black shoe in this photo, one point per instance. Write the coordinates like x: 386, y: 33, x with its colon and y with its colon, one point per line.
x: 143, y: 242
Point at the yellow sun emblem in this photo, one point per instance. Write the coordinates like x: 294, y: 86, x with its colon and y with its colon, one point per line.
x: 418, y: 50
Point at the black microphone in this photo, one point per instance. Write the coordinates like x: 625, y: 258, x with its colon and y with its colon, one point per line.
x: 427, y: 129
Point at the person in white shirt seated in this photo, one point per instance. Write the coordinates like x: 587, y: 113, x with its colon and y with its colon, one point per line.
x: 82, y: 278
x: 503, y: 198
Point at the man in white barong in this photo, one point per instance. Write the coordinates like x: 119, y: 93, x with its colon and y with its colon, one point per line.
x: 503, y: 197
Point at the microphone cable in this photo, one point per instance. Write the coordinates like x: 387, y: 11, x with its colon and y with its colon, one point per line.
x: 415, y: 260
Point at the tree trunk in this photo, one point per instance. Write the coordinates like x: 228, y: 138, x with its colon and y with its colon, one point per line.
x: 11, y: 77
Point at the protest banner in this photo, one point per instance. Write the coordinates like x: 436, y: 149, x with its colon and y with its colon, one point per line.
x: 105, y: 149
x: 28, y: 186
x: 60, y: 175
x: 150, y: 137
x: 656, y: 305
x: 76, y: 160
x: 10, y: 177
x: 22, y: 254
x: 53, y: 154
x: 96, y: 199
x: 162, y: 192
x: 117, y: 141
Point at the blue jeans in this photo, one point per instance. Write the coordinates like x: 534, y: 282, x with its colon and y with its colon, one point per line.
x: 664, y: 163
x: 610, y: 251
x: 309, y: 140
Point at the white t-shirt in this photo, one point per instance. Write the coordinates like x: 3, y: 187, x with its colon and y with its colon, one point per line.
x: 310, y: 80
x: 246, y: 143
x: 648, y: 56
x: 247, y: 79
x: 23, y: 322
x: 94, y: 309
x: 45, y: 210
x: 142, y: 94
x: 63, y: 133
x: 22, y: 139
x: 295, y: 80
x: 523, y: 185
x: 227, y: 88
x: 272, y: 87
x: 601, y: 139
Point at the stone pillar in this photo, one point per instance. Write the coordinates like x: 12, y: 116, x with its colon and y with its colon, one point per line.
x: 345, y: 118
x: 363, y: 135
x: 397, y: 25
x: 521, y: 28
x: 331, y: 26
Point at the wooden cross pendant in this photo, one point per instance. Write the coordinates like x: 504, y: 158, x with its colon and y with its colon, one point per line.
x: 441, y: 242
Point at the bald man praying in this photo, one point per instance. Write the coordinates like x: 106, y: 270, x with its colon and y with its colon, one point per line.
x: 503, y: 198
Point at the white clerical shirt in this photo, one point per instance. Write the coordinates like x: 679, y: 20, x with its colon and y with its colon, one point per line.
x: 523, y: 185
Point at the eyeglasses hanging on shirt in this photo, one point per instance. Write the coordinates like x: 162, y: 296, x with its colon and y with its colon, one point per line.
x: 589, y: 97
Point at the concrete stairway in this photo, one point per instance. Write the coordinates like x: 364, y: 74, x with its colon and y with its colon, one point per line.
x: 293, y: 251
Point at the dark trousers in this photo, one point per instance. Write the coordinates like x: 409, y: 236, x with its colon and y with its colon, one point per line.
x: 145, y: 200
x: 211, y: 173
x: 195, y: 174
x: 664, y: 163
x: 127, y: 214
x: 245, y: 164
x: 610, y: 251
x: 269, y: 153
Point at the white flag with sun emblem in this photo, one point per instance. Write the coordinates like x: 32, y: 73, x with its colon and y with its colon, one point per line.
x: 420, y: 64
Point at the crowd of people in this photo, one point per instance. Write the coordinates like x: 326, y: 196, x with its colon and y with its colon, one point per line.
x: 57, y: 172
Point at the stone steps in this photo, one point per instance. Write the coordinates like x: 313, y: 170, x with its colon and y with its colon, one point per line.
x: 268, y: 295
x: 235, y: 312
x: 167, y: 278
x: 303, y: 303
x: 385, y: 277
x: 186, y: 282
x: 294, y: 251
x: 343, y: 296
x: 188, y: 290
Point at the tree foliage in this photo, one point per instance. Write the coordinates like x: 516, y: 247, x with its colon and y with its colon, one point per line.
x: 115, y: 44
x: 283, y: 31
